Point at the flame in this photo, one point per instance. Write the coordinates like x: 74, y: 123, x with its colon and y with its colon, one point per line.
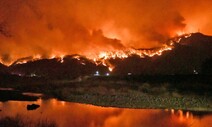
x: 79, y: 27
x: 104, y: 57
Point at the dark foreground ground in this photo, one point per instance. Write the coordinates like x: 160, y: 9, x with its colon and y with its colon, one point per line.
x: 186, y: 92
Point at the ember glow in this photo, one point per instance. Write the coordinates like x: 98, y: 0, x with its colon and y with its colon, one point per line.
x: 104, y: 57
x: 96, y: 29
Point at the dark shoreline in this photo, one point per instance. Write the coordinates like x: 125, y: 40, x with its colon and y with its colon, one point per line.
x: 186, y: 92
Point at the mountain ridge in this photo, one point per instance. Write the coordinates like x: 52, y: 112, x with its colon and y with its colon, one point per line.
x: 187, y: 57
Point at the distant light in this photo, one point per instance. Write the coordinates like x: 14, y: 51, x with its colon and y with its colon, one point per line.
x: 129, y: 73
x: 107, y: 74
x: 195, y: 72
x: 83, y: 63
x: 33, y: 75
x: 97, y: 73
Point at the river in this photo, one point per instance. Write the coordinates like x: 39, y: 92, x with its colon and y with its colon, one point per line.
x: 67, y: 114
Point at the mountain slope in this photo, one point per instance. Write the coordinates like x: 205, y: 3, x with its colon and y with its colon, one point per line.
x: 3, y: 68
x: 191, y: 55
x: 71, y: 67
x: 187, y: 57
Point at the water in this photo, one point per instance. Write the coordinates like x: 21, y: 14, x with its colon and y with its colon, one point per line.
x: 66, y: 114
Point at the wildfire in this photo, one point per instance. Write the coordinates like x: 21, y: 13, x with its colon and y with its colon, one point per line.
x: 104, y: 57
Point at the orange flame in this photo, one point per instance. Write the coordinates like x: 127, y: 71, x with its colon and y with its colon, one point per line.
x: 104, y: 56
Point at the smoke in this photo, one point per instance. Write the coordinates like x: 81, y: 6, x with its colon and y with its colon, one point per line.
x: 46, y: 27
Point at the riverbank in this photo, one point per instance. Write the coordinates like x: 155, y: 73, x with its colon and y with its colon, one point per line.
x: 125, y: 92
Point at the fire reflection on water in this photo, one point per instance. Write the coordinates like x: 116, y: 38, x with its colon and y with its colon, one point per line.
x: 67, y: 114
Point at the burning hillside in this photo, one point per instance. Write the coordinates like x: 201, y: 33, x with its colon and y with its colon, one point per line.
x: 106, y: 29
x: 104, y: 57
x: 182, y: 55
x: 101, y: 32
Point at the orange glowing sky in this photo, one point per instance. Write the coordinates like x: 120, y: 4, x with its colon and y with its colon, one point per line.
x: 47, y: 27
